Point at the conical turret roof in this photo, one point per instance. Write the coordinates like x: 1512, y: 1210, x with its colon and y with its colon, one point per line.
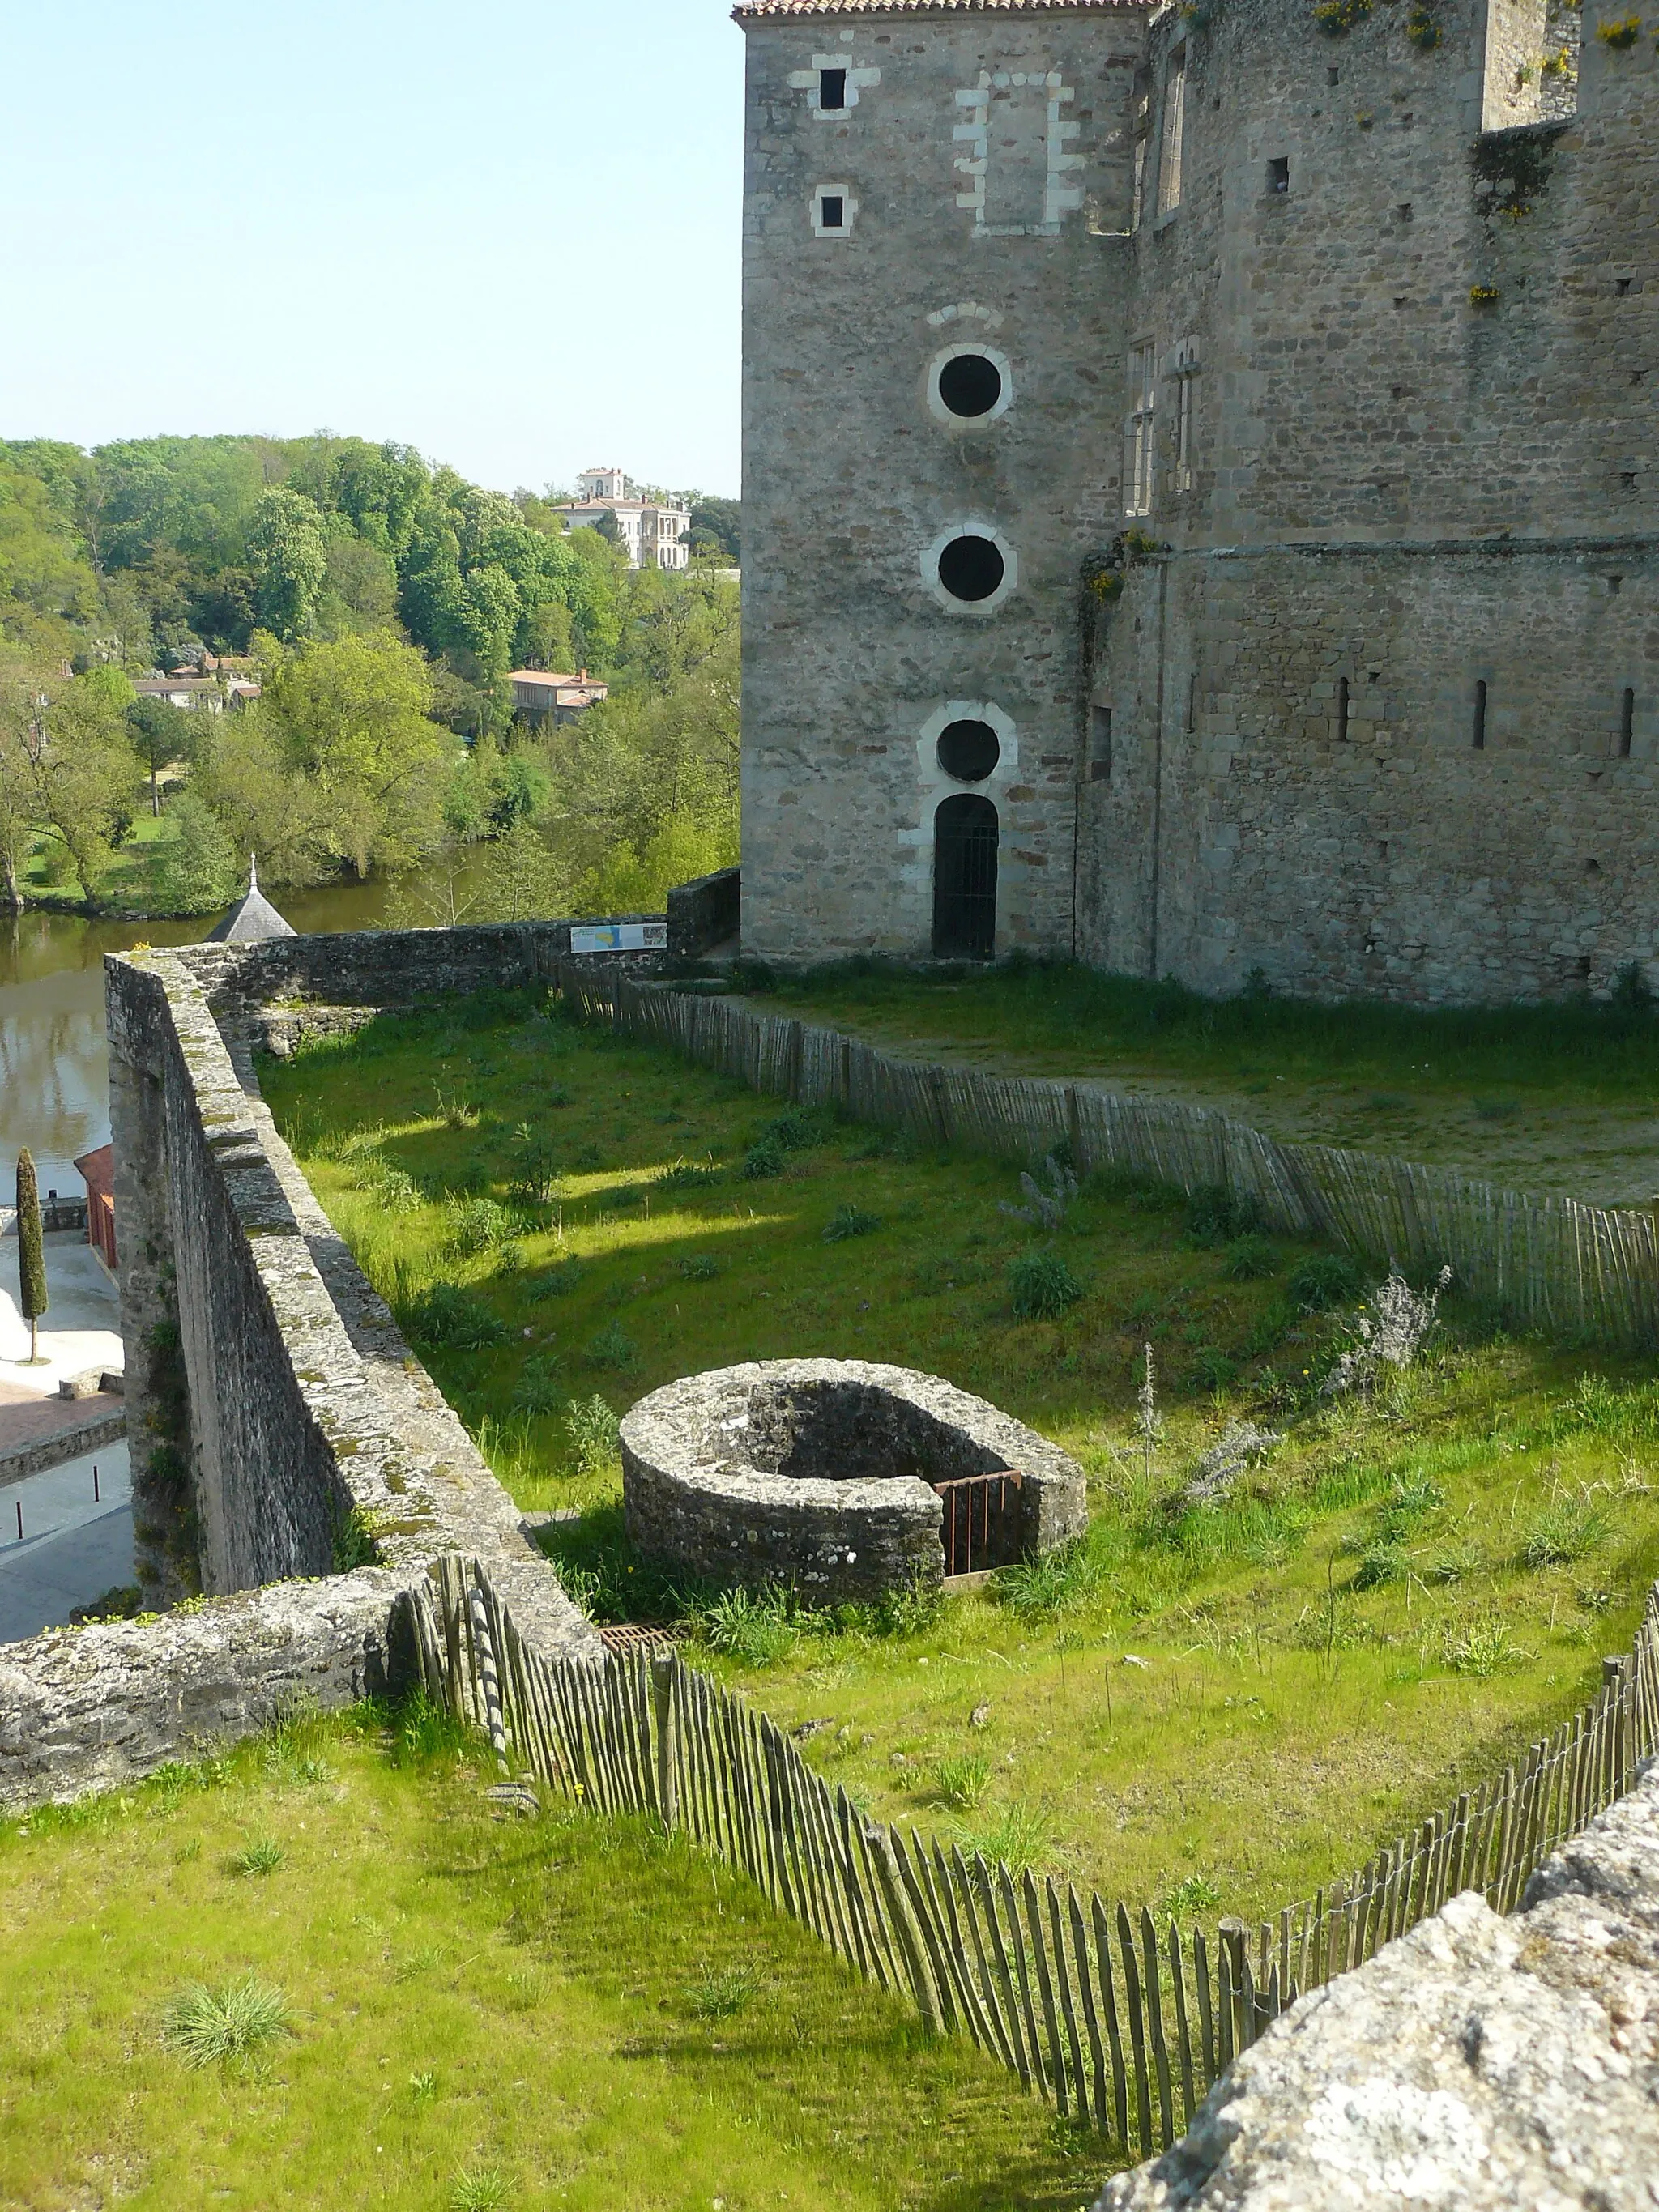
x: 254, y: 918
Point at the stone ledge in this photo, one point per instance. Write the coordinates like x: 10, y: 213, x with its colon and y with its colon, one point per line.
x: 1480, y: 2064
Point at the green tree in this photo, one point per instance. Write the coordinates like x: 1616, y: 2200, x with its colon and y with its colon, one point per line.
x: 84, y: 778
x: 162, y: 733
x: 31, y: 1253
x: 46, y: 586
x: 23, y: 685
x: 192, y: 867
x: 248, y: 781
x: 290, y: 562
x: 352, y: 718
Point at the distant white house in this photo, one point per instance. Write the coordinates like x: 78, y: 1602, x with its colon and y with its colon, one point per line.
x: 542, y: 695
x: 654, y: 533
x: 208, y: 689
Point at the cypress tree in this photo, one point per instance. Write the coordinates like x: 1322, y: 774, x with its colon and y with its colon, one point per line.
x: 31, y: 1252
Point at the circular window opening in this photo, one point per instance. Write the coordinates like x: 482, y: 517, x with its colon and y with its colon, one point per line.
x: 971, y: 568
x: 968, y: 750
x: 969, y: 385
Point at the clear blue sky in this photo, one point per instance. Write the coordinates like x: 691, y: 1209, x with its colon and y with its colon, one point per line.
x: 504, y: 231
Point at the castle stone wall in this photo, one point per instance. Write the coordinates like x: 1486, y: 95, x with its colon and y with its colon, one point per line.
x: 1403, y: 315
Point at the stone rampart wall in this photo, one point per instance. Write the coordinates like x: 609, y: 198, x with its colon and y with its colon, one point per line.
x: 280, y: 1427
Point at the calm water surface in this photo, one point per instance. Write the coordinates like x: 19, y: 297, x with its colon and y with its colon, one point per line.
x: 53, y: 1064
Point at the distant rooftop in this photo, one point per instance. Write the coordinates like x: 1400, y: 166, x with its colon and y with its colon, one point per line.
x: 752, y: 8
x: 253, y: 919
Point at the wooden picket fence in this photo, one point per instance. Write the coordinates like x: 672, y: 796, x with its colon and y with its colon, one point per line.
x: 1548, y: 1261
x: 1122, y: 2021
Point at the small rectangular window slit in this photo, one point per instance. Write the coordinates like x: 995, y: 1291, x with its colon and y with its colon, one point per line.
x: 1342, y: 707
x: 1627, y: 724
x: 1480, y: 717
x: 1100, y: 744
x: 832, y: 90
x: 1279, y: 173
x: 832, y: 211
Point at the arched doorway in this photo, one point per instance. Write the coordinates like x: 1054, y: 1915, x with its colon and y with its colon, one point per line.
x: 965, y: 879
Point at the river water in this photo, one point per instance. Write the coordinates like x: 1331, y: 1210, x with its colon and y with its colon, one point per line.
x: 53, y: 1062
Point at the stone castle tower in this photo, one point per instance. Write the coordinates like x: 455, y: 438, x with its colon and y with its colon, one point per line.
x: 1202, y: 488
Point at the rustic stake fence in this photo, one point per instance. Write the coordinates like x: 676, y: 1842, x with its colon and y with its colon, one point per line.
x: 1121, y: 2021
x: 1548, y: 1261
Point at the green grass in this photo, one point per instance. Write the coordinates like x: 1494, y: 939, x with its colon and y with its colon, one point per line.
x: 1252, y: 1696
x: 1556, y: 1096
x: 426, y: 2007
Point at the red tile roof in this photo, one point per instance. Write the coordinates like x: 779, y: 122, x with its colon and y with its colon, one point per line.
x: 748, y: 8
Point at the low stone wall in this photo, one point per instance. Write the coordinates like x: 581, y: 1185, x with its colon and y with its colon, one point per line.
x: 280, y: 1425
x: 817, y: 1473
x: 1480, y: 2064
x: 705, y: 913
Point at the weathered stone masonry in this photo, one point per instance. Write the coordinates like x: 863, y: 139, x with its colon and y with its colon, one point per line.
x: 279, y: 1422
x: 1379, y: 367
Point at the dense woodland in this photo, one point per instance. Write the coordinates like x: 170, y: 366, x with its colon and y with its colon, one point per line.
x: 380, y: 602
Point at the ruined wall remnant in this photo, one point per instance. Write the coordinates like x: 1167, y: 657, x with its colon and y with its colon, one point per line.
x: 1346, y: 317
x: 295, y: 1471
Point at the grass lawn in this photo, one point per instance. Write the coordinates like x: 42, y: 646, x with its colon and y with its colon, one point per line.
x: 557, y: 2012
x: 49, y: 875
x: 1220, y: 1704
x: 1563, y: 1096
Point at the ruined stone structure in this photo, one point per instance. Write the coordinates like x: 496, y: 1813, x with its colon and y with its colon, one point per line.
x: 824, y: 1475
x: 1202, y: 501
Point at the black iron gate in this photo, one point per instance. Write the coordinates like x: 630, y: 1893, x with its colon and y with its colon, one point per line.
x: 965, y: 877
x: 983, y: 1523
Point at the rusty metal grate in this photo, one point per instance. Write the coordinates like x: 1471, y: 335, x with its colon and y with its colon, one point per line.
x: 641, y: 1635
x: 984, y: 1522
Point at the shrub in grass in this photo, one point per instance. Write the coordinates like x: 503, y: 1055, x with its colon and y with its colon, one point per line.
x: 1327, y: 1281
x: 262, y: 1856
x: 1249, y: 1260
x: 1040, y: 1286
x: 848, y: 1221
x: 592, y: 1427
x: 1195, y: 1892
x: 1059, y: 1582
x: 558, y: 1282
x: 1381, y: 1562
x: 447, y: 1315
x: 613, y: 1347
x: 1454, y: 1564
x: 229, y: 2025
x: 700, y: 1268
x: 454, y: 1111
x: 1564, y: 1532
x: 687, y: 1175
x: 757, y: 1627
x: 538, y: 1390
x: 1016, y: 1834
x: 797, y: 1131
x: 761, y: 1160
x: 1482, y: 1648
x: 1212, y: 1369
x: 477, y: 2189
x: 478, y: 1225
x: 724, y: 1996
x: 1216, y: 1215
x: 961, y: 1781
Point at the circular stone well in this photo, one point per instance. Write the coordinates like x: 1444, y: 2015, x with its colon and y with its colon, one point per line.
x: 820, y: 1473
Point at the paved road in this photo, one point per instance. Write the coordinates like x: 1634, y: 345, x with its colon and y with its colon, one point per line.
x: 74, y: 1547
